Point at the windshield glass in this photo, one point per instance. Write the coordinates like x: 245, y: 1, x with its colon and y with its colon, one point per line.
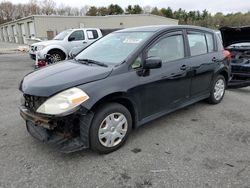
x: 115, y: 47
x: 62, y: 35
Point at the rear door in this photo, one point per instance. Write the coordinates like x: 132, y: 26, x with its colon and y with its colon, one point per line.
x: 202, y: 61
x: 92, y: 35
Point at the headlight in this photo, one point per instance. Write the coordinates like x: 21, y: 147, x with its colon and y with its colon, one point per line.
x: 40, y: 47
x: 63, y: 102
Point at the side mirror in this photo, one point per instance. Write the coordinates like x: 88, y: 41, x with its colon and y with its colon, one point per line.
x: 152, y: 63
x: 71, y: 38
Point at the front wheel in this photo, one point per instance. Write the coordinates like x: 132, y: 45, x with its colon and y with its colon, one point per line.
x: 110, y: 128
x: 218, y: 90
x: 57, y: 55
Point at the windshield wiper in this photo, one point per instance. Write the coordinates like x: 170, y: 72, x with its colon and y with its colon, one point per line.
x: 90, y: 61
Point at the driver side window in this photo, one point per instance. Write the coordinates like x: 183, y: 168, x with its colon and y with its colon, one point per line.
x: 168, y: 48
x: 77, y: 35
x: 137, y: 63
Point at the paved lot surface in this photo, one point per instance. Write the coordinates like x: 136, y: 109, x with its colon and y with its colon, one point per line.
x: 200, y: 146
x: 9, y: 48
x: 6, y: 46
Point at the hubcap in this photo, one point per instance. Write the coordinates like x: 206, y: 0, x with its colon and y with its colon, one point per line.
x: 56, y: 57
x: 113, y: 129
x: 219, y: 89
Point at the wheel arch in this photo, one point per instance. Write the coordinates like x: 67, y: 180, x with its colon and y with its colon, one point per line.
x: 58, y: 49
x: 121, y: 98
x: 224, y: 73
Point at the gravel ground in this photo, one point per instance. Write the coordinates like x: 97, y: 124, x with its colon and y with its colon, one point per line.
x: 200, y: 146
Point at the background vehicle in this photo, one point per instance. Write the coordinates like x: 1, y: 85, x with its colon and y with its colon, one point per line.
x: 61, y: 45
x: 237, y: 41
x: 75, y: 51
x: 122, y: 81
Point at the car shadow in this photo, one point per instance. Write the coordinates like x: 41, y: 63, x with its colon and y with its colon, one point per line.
x: 143, y: 130
x: 245, y: 90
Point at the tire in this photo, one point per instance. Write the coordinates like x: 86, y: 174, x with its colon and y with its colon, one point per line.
x: 218, y: 90
x: 104, y: 128
x: 57, y: 55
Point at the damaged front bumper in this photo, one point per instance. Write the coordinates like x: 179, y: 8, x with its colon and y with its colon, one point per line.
x: 66, y: 133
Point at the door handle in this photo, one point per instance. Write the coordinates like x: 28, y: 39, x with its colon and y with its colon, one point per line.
x: 183, y: 67
x: 214, y: 59
x: 84, y: 42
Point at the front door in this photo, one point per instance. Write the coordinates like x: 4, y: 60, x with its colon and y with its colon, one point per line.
x: 76, y: 39
x: 167, y: 87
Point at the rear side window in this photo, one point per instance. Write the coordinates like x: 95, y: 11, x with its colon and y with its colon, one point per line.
x: 219, y: 42
x: 92, y: 34
x: 210, y: 42
x: 197, y: 43
x: 77, y: 35
x: 168, y: 49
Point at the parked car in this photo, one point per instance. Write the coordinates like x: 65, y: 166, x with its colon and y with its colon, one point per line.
x: 121, y: 82
x: 237, y: 41
x: 61, y: 45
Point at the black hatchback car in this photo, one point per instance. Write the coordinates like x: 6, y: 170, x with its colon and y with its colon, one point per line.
x: 120, y: 82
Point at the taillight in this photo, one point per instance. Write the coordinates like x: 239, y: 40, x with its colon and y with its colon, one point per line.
x: 227, y: 54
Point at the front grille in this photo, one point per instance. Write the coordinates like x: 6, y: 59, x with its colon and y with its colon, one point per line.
x: 33, y: 48
x: 32, y: 103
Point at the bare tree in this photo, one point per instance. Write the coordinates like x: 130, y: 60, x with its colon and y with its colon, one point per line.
x: 7, y: 10
x: 33, y: 7
x: 68, y: 10
x: 84, y: 10
x: 48, y: 7
x: 61, y: 9
x: 146, y: 9
x: 75, y: 11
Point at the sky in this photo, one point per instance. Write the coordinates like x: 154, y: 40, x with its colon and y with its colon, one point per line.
x: 213, y: 6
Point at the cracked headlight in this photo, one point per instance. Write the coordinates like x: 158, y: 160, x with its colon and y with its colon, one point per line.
x: 63, y: 101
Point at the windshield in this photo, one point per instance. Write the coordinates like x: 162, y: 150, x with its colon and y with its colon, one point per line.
x: 115, y: 47
x: 62, y: 35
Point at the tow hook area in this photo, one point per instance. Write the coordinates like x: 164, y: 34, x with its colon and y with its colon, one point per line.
x: 67, y: 134
x: 37, y: 120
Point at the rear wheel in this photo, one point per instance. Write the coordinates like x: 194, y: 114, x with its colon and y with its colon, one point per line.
x: 218, y: 90
x: 110, y: 128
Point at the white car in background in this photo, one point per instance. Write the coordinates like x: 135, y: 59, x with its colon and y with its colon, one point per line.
x: 61, y: 45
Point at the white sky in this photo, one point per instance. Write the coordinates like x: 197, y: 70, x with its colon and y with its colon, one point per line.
x: 213, y: 6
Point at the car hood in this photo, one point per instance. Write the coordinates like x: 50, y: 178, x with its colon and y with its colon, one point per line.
x: 47, y: 42
x: 55, y: 78
x: 233, y: 35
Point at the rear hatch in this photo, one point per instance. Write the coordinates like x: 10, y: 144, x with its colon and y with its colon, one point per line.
x: 233, y: 35
x: 237, y: 41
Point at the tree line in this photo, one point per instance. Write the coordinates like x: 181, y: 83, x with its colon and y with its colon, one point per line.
x: 10, y: 11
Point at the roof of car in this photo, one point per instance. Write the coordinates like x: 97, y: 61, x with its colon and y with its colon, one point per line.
x: 155, y: 28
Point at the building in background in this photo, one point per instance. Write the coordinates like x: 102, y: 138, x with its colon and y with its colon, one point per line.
x: 46, y: 27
